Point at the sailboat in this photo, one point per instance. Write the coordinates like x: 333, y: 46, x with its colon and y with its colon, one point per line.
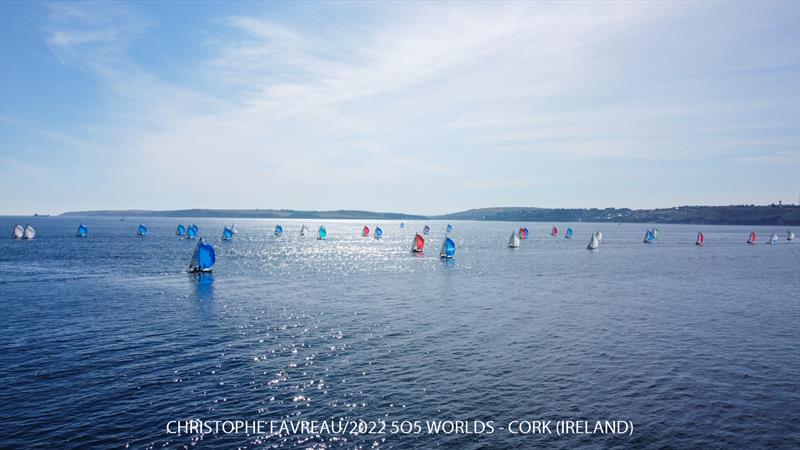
x: 233, y: 228
x: 773, y: 240
x: 599, y: 236
x: 513, y: 241
x: 191, y: 232
x: 656, y: 232
x: 181, y: 230
x: 29, y: 233
x: 426, y: 230
x: 752, y: 239
x: 448, y: 249
x: 18, y: 232
x: 365, y: 231
x: 593, y: 242
x: 523, y: 233
x: 278, y: 230
x: 303, y: 230
x: 203, y: 258
x: 418, y: 245
x: 378, y: 233
x: 142, y: 231
x: 700, y: 239
x: 402, y: 225
x: 322, y: 233
x: 83, y: 231
x: 554, y: 232
x: 227, y: 234
x: 568, y: 235
x: 649, y: 237
x: 449, y: 228
x: 789, y: 236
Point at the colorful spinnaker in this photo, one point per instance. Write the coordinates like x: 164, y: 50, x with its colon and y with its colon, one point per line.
x: 752, y: 239
x: 523, y: 233
x: 513, y: 241
x: 18, y: 232
x: 449, y: 228
x: 29, y: 233
x: 568, y: 235
x: 418, y: 245
x: 83, y: 231
x: 365, y: 231
x: 303, y: 230
x: 322, y: 233
x: 142, y: 230
x: 426, y: 230
x: 448, y: 248
x: 649, y: 237
x: 181, y: 230
x: 554, y: 232
x: 700, y: 239
x: 227, y: 234
x: 773, y: 240
x: 378, y: 233
x: 278, y: 230
x: 191, y: 232
x: 203, y: 258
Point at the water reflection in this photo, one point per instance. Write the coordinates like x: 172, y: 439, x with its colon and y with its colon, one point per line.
x: 204, y: 286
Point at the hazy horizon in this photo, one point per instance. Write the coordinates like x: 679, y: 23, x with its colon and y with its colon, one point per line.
x: 418, y: 108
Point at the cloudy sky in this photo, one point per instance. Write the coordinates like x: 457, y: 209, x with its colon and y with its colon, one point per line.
x: 413, y: 107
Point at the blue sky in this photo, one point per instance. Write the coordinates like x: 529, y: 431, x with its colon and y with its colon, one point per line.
x: 413, y: 107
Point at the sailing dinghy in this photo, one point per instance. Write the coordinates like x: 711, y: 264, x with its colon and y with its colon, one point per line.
x: 322, y: 233
x: 773, y: 240
x: 700, y: 239
x: 191, y: 232
x: 568, y: 235
x: 448, y: 249
x: 599, y: 236
x: 227, y: 234
x: 303, y: 230
x: 278, y: 230
x: 378, y: 233
x: 554, y: 232
x: 789, y: 236
x: 593, y: 243
x: 203, y: 258
x: 523, y: 233
x: 83, y: 231
x: 181, y: 231
x: 449, y: 228
x: 513, y: 241
x: 18, y: 232
x: 752, y: 239
x: 426, y: 230
x: 141, y: 231
x: 29, y: 233
x: 418, y: 245
x: 365, y: 231
x: 649, y: 237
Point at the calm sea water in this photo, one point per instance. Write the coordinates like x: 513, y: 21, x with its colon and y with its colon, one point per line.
x: 104, y: 340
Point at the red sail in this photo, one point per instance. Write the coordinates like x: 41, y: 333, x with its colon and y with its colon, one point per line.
x: 365, y: 231
x: 522, y: 233
x: 752, y: 236
x: 419, y: 243
x: 555, y: 231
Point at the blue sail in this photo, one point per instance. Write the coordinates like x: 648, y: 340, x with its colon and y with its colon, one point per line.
x: 378, y: 232
x: 649, y: 236
x: 569, y: 233
x: 278, y: 230
x: 227, y: 234
x: 426, y: 230
x: 449, y: 228
x: 83, y: 231
x: 448, y: 248
x: 181, y: 230
x: 205, y: 256
x: 191, y: 233
x: 323, y: 233
x: 142, y: 230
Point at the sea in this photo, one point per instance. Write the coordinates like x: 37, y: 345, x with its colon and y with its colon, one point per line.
x: 107, y: 342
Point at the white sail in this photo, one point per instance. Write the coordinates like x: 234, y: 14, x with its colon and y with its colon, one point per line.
x: 599, y: 236
x: 513, y: 242
x: 303, y: 230
x: 774, y: 239
x: 593, y: 243
x: 233, y: 228
x: 790, y: 236
x: 195, y: 263
x: 30, y: 233
x: 18, y: 231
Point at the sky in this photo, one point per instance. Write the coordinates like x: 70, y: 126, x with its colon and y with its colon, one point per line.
x: 419, y: 107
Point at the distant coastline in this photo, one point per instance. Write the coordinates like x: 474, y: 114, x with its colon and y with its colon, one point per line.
x: 717, y: 215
